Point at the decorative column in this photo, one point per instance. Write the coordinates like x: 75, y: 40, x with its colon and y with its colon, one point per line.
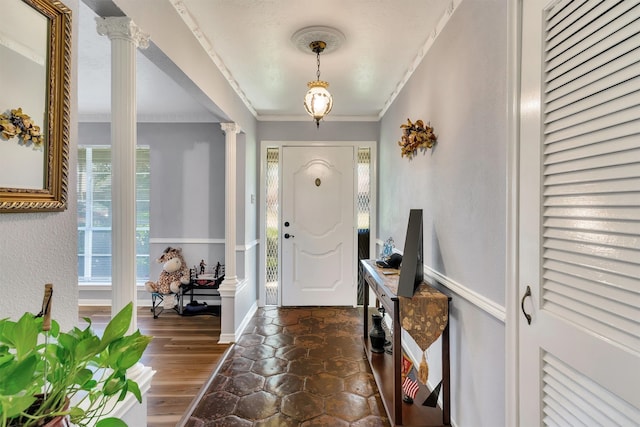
x: 229, y: 284
x: 125, y: 37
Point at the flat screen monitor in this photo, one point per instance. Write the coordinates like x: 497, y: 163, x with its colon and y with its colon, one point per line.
x: 412, y: 269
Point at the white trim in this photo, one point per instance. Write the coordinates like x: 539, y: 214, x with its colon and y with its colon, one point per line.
x: 105, y: 302
x: 232, y: 338
x: 185, y: 240
x: 512, y: 355
x: 200, y: 241
x: 421, y: 54
x: 151, y: 118
x: 485, y: 304
x: 262, y: 215
x: 208, y: 47
x: 247, y: 318
x: 21, y: 49
x: 307, y: 118
x: 480, y: 301
x: 248, y: 246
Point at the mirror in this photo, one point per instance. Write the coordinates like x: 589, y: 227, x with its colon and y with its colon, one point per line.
x: 35, y: 57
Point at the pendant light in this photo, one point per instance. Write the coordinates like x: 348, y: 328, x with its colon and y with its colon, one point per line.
x: 318, y: 101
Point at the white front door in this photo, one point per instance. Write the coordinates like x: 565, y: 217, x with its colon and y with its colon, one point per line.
x: 317, y: 231
x: 579, y: 214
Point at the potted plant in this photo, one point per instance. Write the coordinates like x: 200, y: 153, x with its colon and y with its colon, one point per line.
x: 78, y: 376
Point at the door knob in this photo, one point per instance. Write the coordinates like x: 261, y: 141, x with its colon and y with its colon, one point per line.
x: 287, y: 235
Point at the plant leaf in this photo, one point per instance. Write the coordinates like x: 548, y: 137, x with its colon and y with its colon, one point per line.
x: 118, y: 326
x: 128, y: 351
x: 132, y: 386
x: 111, y: 422
x: 20, y: 377
x: 87, y: 348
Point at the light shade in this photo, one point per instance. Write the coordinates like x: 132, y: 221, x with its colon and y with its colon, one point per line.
x: 318, y: 101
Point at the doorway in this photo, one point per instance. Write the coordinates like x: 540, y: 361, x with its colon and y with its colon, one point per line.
x: 359, y: 200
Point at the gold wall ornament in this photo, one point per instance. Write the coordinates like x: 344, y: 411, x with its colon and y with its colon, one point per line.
x: 15, y: 123
x: 416, y: 136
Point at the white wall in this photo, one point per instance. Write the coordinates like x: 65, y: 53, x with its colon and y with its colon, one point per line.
x: 460, y: 88
x: 39, y: 248
x: 187, y: 187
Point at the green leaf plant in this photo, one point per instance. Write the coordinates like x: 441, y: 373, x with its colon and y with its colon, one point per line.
x: 77, y: 374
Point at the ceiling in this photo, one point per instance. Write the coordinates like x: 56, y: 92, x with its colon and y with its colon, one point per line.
x: 251, y: 40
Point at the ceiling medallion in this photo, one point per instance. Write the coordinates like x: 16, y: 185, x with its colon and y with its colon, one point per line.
x: 305, y: 36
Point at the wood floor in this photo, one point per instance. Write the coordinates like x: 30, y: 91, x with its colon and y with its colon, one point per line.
x: 184, y: 352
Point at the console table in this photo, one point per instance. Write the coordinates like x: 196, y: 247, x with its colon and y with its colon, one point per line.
x: 387, y: 368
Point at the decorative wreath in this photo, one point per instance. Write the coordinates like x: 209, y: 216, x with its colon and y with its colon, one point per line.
x: 416, y: 136
x: 18, y: 124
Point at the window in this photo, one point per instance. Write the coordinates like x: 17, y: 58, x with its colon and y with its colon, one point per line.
x: 94, y: 214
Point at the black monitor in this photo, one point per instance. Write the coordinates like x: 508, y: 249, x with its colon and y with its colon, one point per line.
x: 412, y: 269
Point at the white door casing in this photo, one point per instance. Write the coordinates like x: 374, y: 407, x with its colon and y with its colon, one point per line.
x: 318, y: 258
x: 579, y: 214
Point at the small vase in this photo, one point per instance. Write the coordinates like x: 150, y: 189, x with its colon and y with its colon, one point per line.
x: 376, y: 334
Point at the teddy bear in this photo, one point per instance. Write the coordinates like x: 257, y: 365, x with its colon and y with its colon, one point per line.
x: 174, y: 274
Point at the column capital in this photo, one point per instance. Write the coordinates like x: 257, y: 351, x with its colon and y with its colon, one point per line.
x: 122, y: 28
x: 230, y: 128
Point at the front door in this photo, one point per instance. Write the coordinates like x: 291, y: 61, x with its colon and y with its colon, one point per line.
x: 579, y: 214
x: 317, y: 231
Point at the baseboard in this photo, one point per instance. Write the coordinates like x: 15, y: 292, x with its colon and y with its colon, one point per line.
x: 231, y: 338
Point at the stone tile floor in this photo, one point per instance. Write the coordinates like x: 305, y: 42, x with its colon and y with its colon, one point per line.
x: 294, y: 367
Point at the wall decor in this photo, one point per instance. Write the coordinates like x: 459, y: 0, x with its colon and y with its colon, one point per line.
x: 17, y: 124
x: 35, y: 105
x: 416, y: 136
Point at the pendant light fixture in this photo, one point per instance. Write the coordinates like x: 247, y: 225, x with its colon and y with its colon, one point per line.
x: 318, y: 101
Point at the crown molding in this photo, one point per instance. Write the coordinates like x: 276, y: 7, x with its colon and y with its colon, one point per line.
x: 180, y: 7
x: 307, y: 118
x: 421, y: 54
x: 12, y: 44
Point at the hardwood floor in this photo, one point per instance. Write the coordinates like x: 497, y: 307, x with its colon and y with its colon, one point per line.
x: 184, y: 352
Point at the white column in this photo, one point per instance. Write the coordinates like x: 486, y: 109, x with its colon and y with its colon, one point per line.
x: 229, y: 284
x: 125, y: 37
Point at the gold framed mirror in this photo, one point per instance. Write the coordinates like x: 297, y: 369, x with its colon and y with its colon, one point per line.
x: 35, y: 69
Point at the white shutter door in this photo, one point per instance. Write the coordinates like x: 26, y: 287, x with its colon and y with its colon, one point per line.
x: 580, y: 198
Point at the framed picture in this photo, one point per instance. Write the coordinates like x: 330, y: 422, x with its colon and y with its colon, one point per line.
x: 35, y: 56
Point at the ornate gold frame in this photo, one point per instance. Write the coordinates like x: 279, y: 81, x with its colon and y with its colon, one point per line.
x: 53, y: 196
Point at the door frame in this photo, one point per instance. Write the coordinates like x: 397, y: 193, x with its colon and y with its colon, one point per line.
x: 512, y: 313
x: 264, y: 145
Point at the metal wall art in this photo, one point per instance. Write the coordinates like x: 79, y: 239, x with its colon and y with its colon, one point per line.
x: 416, y: 136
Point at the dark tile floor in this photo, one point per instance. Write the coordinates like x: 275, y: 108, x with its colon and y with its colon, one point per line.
x: 295, y: 367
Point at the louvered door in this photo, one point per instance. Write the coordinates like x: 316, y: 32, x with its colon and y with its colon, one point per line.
x: 579, y: 235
